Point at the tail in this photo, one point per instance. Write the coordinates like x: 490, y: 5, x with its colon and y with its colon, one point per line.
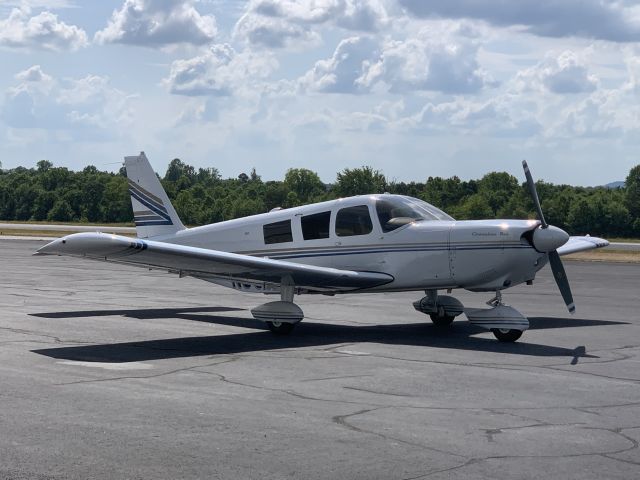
x: 153, y: 213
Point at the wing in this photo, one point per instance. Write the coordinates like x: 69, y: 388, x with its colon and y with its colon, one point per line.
x: 581, y: 244
x: 204, y: 262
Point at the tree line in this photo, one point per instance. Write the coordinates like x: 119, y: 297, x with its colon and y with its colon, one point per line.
x: 202, y: 196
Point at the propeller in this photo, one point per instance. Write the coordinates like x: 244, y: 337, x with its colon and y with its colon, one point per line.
x: 548, y: 239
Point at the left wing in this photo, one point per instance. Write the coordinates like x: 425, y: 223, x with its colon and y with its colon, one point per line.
x: 204, y: 262
x: 581, y: 244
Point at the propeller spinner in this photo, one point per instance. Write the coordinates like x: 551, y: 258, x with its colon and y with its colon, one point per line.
x: 548, y: 239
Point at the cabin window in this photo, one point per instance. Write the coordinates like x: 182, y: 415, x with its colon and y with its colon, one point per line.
x: 353, y: 221
x: 315, y: 226
x: 278, y: 232
x: 395, y: 211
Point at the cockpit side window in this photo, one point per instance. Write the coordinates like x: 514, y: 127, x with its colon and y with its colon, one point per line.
x: 393, y: 215
x: 315, y: 226
x: 352, y: 221
x: 278, y: 232
x: 394, y: 212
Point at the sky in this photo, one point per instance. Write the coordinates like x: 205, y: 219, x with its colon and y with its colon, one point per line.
x: 413, y: 88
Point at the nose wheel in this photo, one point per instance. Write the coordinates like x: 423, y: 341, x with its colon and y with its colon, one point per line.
x: 281, y: 328
x: 506, y: 334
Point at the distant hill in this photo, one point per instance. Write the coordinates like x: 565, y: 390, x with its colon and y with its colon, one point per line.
x: 614, y: 185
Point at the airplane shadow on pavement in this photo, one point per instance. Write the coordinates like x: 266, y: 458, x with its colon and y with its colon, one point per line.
x: 460, y: 336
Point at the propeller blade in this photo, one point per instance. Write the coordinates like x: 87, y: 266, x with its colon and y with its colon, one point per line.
x: 561, y: 279
x: 534, y: 193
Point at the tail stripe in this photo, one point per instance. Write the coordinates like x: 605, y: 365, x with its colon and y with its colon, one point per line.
x: 160, y: 212
x: 148, y: 223
x: 135, y: 189
x: 153, y: 213
x: 147, y: 217
x: 145, y: 192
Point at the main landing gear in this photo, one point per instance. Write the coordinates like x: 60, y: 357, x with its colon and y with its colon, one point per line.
x: 281, y: 316
x: 441, y: 308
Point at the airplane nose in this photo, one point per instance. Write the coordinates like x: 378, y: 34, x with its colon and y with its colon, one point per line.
x: 549, y: 239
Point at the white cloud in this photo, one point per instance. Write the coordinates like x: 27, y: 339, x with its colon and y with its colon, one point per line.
x: 40, y: 32
x: 442, y: 61
x: 500, y: 116
x: 157, y: 23
x: 33, y: 74
x: 219, y: 72
x: 280, y: 23
x: 82, y: 107
x: 560, y: 74
x: 602, y: 19
x: 595, y: 116
x: 273, y: 32
x: 341, y: 73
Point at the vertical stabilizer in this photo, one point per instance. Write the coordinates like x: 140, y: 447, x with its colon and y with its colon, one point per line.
x: 152, y: 211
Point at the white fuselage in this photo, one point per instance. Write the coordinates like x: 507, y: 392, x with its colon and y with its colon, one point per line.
x: 483, y: 255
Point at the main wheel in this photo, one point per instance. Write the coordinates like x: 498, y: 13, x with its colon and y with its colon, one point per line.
x: 441, y: 321
x: 506, y: 335
x: 281, y: 328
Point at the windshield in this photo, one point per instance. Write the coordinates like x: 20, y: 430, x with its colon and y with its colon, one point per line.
x: 394, y: 212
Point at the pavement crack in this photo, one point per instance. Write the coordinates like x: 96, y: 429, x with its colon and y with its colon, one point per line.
x: 144, y: 377
x: 31, y: 333
x: 340, y: 377
x: 342, y: 420
x: 444, y: 470
x: 285, y: 391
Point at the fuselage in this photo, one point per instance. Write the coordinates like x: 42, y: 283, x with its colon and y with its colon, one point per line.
x: 417, y: 244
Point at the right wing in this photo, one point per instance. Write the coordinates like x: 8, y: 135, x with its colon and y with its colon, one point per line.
x: 581, y: 244
x: 204, y: 262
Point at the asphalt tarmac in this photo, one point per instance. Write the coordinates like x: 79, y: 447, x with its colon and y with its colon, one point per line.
x: 109, y: 371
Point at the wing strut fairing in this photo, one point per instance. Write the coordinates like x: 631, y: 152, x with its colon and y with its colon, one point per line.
x: 201, y: 262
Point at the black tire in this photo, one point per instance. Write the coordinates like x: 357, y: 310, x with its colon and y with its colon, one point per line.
x: 504, y: 335
x: 281, y: 328
x: 441, y: 321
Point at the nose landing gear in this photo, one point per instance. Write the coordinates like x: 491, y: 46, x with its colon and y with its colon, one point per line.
x: 505, y: 322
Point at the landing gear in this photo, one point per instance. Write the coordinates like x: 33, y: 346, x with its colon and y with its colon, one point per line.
x: 281, y: 316
x: 506, y: 334
x: 441, y: 308
x: 281, y: 328
x: 505, y: 322
x: 441, y: 321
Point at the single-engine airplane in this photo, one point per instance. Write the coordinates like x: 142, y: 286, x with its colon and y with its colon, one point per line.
x: 367, y: 243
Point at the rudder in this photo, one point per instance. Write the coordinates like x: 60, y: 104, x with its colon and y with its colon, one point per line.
x: 152, y: 211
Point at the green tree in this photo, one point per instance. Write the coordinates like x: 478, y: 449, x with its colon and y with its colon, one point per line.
x: 632, y: 187
x: 444, y: 193
x: 181, y: 175
x: 61, y: 211
x: 43, y: 165
x: 116, y: 203
x: 359, y: 181
x: 475, y: 207
x: 498, y: 188
x: 306, y: 184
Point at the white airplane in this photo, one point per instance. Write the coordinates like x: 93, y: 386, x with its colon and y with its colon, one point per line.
x: 367, y: 243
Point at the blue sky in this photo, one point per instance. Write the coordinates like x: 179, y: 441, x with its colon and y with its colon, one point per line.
x: 410, y: 87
